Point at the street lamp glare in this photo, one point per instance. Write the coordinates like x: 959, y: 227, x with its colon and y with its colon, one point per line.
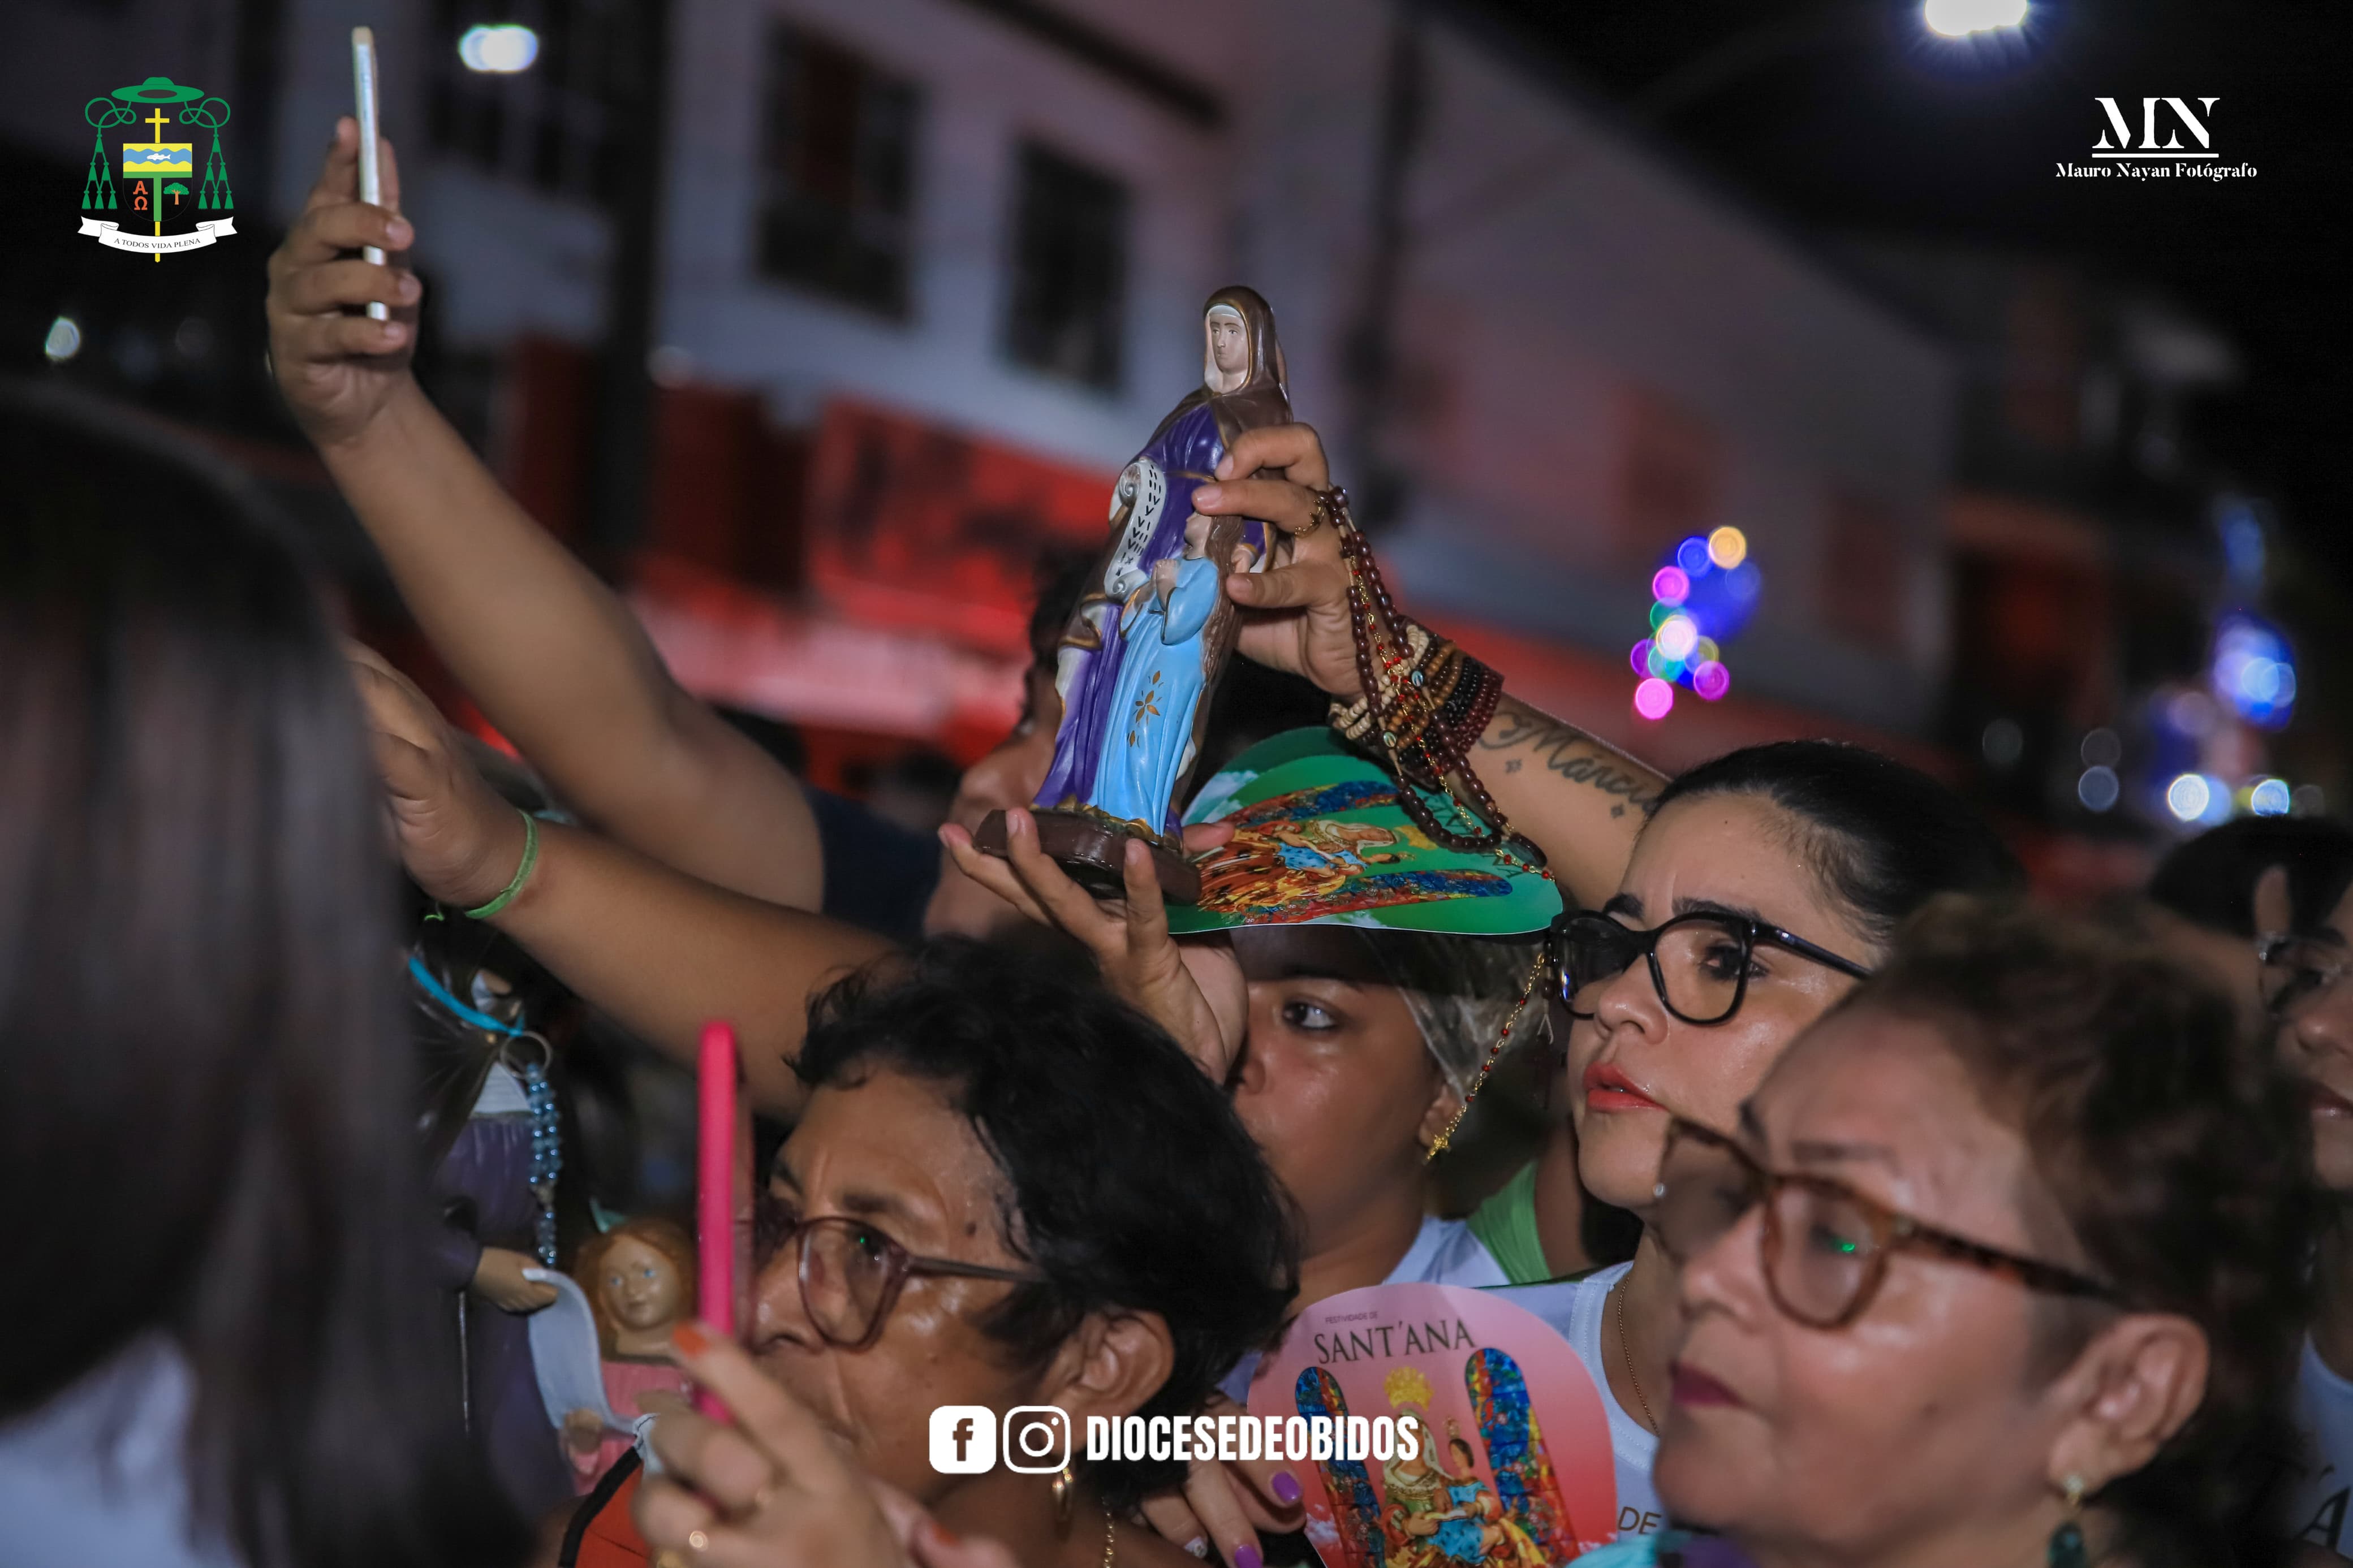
x: 1959, y: 18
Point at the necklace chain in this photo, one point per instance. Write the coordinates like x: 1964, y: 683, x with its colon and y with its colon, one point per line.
x: 1110, y: 1538
x: 1626, y: 1350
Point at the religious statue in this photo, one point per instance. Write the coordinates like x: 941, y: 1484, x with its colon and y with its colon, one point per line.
x: 639, y: 1278
x: 1143, y: 648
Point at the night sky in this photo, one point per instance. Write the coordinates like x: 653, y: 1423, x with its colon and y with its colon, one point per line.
x: 1852, y: 118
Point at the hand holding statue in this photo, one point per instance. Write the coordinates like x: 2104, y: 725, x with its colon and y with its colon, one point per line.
x: 1295, y: 613
x: 1194, y: 989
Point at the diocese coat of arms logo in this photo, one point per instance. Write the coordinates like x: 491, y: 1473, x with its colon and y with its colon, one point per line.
x: 156, y: 173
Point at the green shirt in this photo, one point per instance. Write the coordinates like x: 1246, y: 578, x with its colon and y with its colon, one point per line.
x: 1506, y: 1223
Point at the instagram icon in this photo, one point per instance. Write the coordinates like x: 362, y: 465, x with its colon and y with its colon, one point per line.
x: 1036, y: 1439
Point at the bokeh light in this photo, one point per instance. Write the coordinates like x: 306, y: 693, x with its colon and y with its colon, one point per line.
x: 2099, y: 788
x: 1677, y: 636
x: 2254, y: 671
x: 1700, y: 598
x: 2102, y: 749
x: 1959, y: 18
x: 2189, y: 797
x: 64, y: 340
x: 499, y: 50
x: 2192, y: 713
x: 2271, y: 797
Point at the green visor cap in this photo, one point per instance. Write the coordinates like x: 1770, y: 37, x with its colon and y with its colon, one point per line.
x: 1320, y: 839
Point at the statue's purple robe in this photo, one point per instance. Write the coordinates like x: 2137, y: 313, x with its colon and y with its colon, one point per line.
x: 1187, y: 448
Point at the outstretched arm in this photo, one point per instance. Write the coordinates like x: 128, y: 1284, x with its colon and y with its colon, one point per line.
x: 1579, y: 799
x: 555, y: 659
x: 661, y: 951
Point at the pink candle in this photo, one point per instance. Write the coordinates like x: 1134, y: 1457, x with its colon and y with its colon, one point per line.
x: 714, y: 1194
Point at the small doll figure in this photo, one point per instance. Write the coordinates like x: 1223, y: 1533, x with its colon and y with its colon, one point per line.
x: 639, y: 1277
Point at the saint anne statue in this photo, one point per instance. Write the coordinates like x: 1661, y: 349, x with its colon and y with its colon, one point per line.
x: 1141, y: 652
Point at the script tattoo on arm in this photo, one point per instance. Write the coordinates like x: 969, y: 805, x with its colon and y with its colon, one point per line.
x: 1570, y: 753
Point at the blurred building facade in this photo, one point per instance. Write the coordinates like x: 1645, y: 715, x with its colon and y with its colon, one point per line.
x: 2120, y: 652
x: 928, y: 271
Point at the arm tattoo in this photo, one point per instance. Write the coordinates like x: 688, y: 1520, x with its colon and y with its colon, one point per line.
x: 1570, y: 753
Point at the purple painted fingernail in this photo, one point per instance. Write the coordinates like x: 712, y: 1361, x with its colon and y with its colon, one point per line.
x: 1247, y: 1557
x: 1285, y: 1487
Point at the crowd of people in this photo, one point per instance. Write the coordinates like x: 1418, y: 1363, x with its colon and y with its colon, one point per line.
x: 1895, y: 1219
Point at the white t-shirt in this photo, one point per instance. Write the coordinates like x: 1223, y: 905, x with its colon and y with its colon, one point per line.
x: 98, y: 1474
x: 2320, y: 1487
x: 1444, y: 1252
x: 1575, y: 1311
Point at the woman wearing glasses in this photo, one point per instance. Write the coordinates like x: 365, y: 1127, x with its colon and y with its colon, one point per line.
x: 1764, y: 886
x: 2307, y: 993
x: 2000, y: 1264
x: 1006, y: 1190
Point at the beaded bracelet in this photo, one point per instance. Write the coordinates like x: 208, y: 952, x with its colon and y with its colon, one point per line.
x: 1426, y: 740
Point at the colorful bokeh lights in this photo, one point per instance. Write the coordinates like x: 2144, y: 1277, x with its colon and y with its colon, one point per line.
x: 1699, y: 600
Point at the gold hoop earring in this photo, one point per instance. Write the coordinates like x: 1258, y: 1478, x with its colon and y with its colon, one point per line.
x: 1064, y: 1485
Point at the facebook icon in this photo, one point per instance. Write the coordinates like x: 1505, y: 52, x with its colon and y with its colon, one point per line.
x: 964, y: 1439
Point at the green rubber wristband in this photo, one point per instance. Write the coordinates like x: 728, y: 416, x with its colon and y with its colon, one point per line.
x: 523, y: 872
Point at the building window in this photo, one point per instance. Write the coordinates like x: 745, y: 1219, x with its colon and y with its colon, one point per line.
x: 557, y: 125
x: 1070, y: 269
x: 837, y: 173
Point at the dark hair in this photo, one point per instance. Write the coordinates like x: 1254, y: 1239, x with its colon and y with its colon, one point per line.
x: 1133, y: 1184
x: 202, y: 1042
x: 1884, y: 838
x: 2210, y: 880
x: 2176, y: 1157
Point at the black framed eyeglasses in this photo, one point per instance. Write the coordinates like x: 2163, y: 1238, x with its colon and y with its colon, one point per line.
x: 2297, y: 968
x: 1824, y: 1246
x: 1699, y: 961
x: 851, y: 1272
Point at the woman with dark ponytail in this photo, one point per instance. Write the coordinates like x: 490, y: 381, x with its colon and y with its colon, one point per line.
x: 223, y: 1348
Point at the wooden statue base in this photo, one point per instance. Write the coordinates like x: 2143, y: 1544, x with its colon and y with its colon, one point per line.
x: 1090, y: 849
